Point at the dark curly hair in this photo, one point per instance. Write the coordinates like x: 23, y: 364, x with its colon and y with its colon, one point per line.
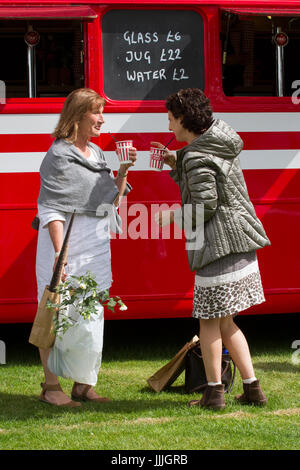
x: 193, y: 107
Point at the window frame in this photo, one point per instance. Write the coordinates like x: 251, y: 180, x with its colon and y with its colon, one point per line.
x: 252, y: 103
x: 84, y: 14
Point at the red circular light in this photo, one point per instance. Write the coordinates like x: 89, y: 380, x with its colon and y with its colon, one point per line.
x: 32, y: 38
x: 281, y: 39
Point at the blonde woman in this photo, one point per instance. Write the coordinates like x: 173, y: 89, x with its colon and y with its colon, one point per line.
x: 74, y: 175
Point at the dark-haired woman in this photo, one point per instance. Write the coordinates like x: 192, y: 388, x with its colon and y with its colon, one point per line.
x: 227, y: 277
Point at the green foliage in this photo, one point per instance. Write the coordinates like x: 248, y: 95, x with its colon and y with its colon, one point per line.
x: 82, y: 292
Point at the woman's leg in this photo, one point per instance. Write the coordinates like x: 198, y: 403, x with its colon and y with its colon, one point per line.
x: 54, y: 397
x: 236, y: 343
x: 85, y: 390
x: 211, y: 348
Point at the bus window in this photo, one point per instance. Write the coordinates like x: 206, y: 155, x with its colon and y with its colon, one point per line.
x: 149, y: 54
x: 58, y: 58
x: 260, y: 54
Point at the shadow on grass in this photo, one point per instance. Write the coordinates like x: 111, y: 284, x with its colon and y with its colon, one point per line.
x: 149, y: 340
x: 277, y: 367
x: 177, y: 389
x: 155, y: 340
x: 23, y: 407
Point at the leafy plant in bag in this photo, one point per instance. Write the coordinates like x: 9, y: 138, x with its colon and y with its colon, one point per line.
x: 82, y: 292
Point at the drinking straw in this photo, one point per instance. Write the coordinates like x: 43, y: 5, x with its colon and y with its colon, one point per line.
x: 168, y: 143
x: 113, y: 137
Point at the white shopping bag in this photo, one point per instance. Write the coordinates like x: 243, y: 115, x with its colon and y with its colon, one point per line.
x: 77, y: 353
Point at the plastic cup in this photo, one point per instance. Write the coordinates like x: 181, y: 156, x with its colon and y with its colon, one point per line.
x: 123, y: 148
x: 157, y: 158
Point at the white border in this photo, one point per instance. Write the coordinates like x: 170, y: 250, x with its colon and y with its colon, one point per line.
x: 151, y: 122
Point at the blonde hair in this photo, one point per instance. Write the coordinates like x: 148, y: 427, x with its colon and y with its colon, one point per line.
x: 77, y: 104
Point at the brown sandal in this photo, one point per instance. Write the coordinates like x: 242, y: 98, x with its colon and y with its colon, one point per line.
x: 83, y: 396
x: 55, y: 388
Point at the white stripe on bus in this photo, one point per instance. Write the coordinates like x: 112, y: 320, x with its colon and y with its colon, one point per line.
x: 151, y: 122
x: 25, y: 162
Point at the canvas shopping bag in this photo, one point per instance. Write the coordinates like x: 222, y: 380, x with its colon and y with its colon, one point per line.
x: 42, y: 332
x: 169, y: 372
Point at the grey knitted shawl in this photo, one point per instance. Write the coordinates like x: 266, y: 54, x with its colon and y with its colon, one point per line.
x: 70, y: 181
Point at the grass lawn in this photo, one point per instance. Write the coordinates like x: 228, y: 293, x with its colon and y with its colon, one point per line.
x: 138, y: 418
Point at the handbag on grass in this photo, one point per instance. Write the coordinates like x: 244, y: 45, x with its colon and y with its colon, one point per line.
x: 195, y: 377
x: 169, y: 372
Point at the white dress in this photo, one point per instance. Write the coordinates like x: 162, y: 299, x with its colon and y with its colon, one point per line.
x: 77, y: 355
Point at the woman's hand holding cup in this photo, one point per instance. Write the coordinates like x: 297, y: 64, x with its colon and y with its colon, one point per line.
x: 132, y: 157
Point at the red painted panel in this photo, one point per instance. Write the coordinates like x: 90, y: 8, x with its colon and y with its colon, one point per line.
x: 252, y: 141
x: 42, y: 12
x: 25, y: 142
x: 153, y: 275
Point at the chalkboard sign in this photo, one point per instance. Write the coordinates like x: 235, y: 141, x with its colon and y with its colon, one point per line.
x: 149, y: 54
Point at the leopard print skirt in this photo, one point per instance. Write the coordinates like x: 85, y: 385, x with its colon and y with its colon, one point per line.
x: 231, y: 286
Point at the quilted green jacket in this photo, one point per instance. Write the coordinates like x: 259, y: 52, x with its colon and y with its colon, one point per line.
x: 208, y: 173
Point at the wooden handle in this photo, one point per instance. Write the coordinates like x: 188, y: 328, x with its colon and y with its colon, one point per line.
x: 62, y: 258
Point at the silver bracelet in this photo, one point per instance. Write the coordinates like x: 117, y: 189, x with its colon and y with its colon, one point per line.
x: 57, y: 254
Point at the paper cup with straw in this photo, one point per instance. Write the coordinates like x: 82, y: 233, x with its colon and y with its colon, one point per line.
x: 122, y: 151
x: 157, y: 157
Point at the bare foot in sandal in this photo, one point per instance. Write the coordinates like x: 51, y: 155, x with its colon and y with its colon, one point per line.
x: 54, y: 395
x: 86, y: 393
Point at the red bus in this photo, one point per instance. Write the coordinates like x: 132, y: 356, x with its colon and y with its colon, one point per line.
x: 243, y: 54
